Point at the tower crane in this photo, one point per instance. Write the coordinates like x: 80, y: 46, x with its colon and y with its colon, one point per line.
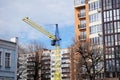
x: 55, y: 42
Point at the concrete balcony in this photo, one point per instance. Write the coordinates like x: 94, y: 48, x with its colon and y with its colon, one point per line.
x: 79, y: 3
x: 82, y: 26
x: 82, y: 15
x: 82, y: 38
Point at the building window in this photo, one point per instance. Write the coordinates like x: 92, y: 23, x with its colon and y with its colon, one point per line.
x: 116, y: 4
x: 7, y: 60
x: 96, y: 41
x: 116, y: 14
x: 110, y: 53
x: 110, y: 65
x: 117, y: 26
x: 118, y: 65
x: 82, y: 35
x: 92, y: 29
x: 79, y: 2
x: 107, y: 4
x: 0, y: 58
x: 82, y: 13
x: 118, y: 39
x: 108, y: 16
x: 108, y: 28
x: 117, y: 52
x: 110, y: 59
x: 95, y: 17
x: 95, y: 29
x: 82, y: 24
x: 109, y: 40
x: 94, y: 5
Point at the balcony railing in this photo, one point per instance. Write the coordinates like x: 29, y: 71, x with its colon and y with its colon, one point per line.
x: 82, y: 37
x: 65, y: 65
x: 80, y: 2
x: 65, y: 70
x: 82, y: 26
x: 82, y: 15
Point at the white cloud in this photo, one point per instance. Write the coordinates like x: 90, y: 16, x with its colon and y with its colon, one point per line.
x: 41, y: 11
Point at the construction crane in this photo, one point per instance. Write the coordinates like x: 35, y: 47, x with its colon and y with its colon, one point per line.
x: 55, y: 42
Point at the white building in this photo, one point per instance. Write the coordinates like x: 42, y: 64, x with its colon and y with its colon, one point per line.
x: 47, y: 64
x: 8, y: 60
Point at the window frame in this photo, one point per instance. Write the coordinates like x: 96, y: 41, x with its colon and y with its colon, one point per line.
x: 0, y: 58
x: 7, y: 59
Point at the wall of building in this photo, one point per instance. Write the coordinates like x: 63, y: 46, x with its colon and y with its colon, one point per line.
x: 45, y: 65
x: 8, y: 54
x: 102, y: 29
x: 111, y: 37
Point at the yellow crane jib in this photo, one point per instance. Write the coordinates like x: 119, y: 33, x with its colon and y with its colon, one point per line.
x: 55, y: 42
x: 39, y: 28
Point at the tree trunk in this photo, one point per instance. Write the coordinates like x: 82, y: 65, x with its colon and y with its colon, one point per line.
x: 91, y: 78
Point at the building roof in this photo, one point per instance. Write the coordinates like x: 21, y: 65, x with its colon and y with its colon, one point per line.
x: 7, y: 41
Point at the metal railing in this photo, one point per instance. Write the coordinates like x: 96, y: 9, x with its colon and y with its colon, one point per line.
x: 82, y: 26
x: 79, y: 2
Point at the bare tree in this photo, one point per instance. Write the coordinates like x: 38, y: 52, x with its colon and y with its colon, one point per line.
x: 36, y: 48
x: 91, y: 60
x: 20, y: 65
x: 33, y: 63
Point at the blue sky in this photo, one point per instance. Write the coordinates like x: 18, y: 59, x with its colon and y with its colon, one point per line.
x: 43, y: 12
